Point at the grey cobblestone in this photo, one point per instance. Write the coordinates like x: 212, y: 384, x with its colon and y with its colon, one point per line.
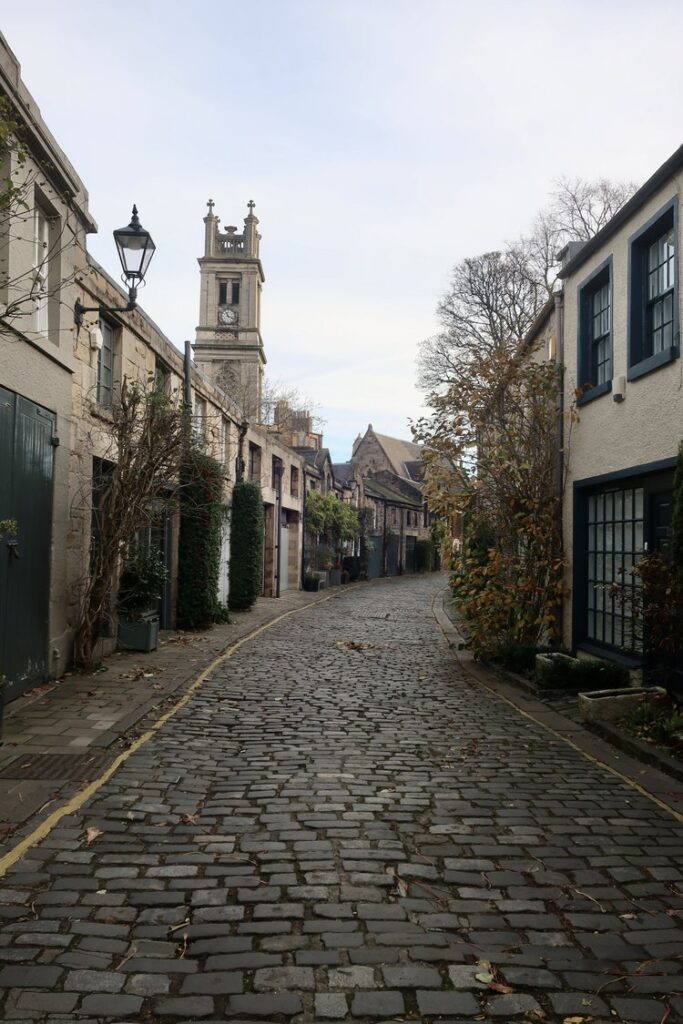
x: 349, y: 833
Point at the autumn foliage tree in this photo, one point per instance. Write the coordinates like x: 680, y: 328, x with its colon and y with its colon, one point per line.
x: 507, y: 578
x: 496, y: 442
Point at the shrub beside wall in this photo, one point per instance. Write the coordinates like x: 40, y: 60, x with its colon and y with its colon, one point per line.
x: 424, y: 555
x: 246, y: 545
x: 199, y: 554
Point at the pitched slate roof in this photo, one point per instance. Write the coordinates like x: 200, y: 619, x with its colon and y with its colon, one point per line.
x: 343, y: 471
x: 315, y: 457
x: 375, y: 489
x: 399, y: 453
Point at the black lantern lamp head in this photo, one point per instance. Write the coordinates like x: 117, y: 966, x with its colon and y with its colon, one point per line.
x: 135, y: 248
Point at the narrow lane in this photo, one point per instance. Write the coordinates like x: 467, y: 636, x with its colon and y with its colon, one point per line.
x: 339, y: 826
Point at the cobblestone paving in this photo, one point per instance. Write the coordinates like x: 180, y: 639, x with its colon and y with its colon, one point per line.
x: 339, y: 826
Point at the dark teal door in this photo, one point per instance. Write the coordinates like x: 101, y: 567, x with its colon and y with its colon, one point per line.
x: 26, y: 470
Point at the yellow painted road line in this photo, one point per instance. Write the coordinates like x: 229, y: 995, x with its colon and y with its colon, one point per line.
x: 558, y: 735
x: 76, y: 802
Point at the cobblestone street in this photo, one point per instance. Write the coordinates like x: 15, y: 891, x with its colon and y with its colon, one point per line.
x: 339, y: 825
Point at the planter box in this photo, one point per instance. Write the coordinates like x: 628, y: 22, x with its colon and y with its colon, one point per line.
x: 611, y: 705
x: 139, y: 636
x: 313, y: 584
x: 334, y: 576
x: 554, y: 671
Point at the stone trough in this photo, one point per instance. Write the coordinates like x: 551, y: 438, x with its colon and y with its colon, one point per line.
x: 611, y: 705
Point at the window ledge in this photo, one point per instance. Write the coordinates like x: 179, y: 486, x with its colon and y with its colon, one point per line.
x: 610, y: 654
x: 646, y: 366
x: 594, y: 392
x: 101, y: 412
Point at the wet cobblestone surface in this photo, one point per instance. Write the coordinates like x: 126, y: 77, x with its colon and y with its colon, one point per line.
x: 339, y: 826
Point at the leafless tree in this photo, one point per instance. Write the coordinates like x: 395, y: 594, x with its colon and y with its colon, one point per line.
x: 31, y: 283
x: 490, y: 305
x: 141, y: 454
x: 577, y: 210
x: 493, y: 298
x: 285, y: 406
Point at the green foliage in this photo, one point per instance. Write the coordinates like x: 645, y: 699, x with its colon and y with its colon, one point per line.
x: 657, y: 720
x: 323, y: 556
x: 201, y: 515
x: 8, y: 528
x: 316, y: 513
x: 558, y: 671
x: 424, y: 555
x: 246, y: 545
x: 141, y: 583
x: 331, y: 519
x: 519, y: 658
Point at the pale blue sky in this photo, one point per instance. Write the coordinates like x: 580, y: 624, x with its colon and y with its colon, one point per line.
x: 381, y: 140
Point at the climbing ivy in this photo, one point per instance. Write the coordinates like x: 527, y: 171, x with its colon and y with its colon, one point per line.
x: 246, y: 545
x: 201, y: 514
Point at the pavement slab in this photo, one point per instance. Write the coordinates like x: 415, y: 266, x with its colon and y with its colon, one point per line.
x: 343, y: 823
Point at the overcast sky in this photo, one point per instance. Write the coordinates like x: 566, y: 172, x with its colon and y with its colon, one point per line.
x: 382, y: 141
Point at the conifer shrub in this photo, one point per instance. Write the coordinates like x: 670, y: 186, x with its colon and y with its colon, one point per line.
x: 246, y: 545
x: 199, y: 550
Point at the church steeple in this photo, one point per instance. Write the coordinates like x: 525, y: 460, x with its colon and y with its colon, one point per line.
x: 228, y: 345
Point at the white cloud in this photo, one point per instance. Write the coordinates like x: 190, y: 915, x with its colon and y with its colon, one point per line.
x: 382, y: 142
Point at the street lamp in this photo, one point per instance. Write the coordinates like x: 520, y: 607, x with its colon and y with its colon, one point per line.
x: 135, y: 248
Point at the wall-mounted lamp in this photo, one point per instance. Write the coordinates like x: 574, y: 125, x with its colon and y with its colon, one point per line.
x: 135, y: 248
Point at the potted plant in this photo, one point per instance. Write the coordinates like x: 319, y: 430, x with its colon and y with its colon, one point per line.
x: 312, y: 582
x: 140, y: 587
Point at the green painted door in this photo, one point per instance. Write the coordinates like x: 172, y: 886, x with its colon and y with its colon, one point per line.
x: 26, y: 473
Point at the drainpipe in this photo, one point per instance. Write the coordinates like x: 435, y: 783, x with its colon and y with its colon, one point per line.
x: 303, y: 528
x: 559, y: 320
x: 384, y: 542
x: 401, y: 515
x: 279, y: 469
x: 187, y: 383
x: 239, y: 467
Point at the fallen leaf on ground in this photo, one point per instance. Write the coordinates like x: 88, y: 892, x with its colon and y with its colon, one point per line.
x: 92, y: 833
x: 498, y: 986
x: 485, y: 977
x: 401, y: 884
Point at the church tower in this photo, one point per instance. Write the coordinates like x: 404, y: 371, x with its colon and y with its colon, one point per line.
x: 228, y: 346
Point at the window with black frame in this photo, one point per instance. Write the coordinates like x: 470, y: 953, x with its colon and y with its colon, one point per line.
x: 615, y: 523
x: 653, y: 318
x: 600, y: 331
x: 660, y: 294
x: 595, y: 333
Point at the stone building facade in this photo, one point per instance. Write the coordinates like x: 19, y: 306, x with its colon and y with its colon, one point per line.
x: 42, y: 238
x: 386, y: 474
x: 57, y: 382
x: 621, y: 340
